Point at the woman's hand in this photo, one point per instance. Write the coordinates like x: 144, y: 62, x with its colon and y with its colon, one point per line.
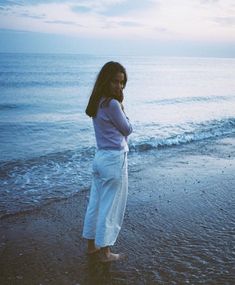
x: 119, y: 96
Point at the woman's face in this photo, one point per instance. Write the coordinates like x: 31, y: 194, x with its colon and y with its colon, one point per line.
x: 117, y: 84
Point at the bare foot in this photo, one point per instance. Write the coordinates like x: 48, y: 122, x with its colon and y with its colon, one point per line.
x: 92, y: 251
x: 110, y: 257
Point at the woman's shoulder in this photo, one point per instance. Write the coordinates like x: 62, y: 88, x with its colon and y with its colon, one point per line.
x: 114, y: 104
x: 110, y: 106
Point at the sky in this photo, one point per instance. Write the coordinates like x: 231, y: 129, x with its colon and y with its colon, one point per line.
x: 132, y: 27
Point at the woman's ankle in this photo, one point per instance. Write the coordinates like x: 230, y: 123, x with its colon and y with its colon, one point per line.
x: 106, y: 250
x: 91, y: 245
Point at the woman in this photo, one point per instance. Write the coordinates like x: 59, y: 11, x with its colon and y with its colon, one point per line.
x: 109, y: 188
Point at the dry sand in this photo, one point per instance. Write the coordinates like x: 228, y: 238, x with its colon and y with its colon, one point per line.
x: 179, y: 227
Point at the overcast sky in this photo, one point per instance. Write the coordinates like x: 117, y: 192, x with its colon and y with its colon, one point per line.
x: 161, y: 27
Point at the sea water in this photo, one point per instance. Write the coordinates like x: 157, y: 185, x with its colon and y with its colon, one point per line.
x: 47, y: 142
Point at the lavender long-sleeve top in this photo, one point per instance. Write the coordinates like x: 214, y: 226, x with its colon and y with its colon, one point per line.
x: 112, y: 127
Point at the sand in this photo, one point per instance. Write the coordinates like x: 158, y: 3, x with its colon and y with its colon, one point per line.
x: 179, y: 226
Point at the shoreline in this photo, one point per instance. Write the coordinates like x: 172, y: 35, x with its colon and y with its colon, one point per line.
x: 178, y: 227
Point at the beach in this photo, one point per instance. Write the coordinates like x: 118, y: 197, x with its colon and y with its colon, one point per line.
x: 179, y: 226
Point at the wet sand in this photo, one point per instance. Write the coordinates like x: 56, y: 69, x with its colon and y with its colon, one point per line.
x: 179, y: 227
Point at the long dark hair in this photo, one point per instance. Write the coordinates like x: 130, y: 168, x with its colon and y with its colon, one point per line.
x: 102, y: 85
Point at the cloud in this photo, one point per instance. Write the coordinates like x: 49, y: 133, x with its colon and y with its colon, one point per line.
x: 82, y: 3
x: 29, y: 2
x: 129, y: 24
x: 225, y: 20
x: 115, y: 25
x: 182, y: 20
x: 12, y: 31
x: 81, y: 9
x: 112, y: 8
x: 161, y: 30
x: 209, y: 1
x: 28, y: 15
x: 10, y: 3
x: 60, y: 22
x: 126, y: 7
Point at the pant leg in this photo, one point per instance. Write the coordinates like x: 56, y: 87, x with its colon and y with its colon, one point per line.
x: 89, y: 228
x: 113, y: 197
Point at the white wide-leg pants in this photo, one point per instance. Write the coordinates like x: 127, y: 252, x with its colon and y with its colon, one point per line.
x: 108, y: 196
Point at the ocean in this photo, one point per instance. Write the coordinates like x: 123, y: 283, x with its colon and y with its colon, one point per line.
x: 47, y: 142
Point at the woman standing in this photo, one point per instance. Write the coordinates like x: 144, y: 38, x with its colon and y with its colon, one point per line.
x: 108, y: 196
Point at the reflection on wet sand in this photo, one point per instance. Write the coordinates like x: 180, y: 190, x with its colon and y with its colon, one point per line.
x: 97, y: 272
x: 107, y: 273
